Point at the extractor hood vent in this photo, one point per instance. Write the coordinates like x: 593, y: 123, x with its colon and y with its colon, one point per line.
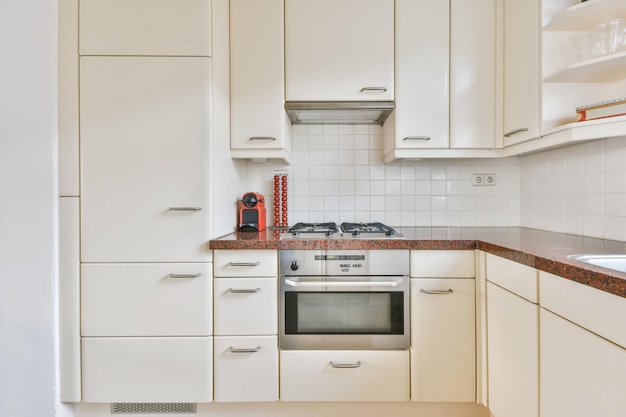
x: 338, y: 112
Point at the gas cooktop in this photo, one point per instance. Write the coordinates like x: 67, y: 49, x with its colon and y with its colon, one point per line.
x: 330, y: 230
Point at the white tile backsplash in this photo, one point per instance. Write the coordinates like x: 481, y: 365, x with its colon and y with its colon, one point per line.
x: 586, y: 193
x: 338, y: 175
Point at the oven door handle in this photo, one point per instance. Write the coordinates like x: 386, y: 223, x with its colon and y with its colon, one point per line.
x: 293, y: 283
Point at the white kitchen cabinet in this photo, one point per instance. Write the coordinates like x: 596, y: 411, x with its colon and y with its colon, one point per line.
x: 442, y: 264
x: 145, y: 27
x: 522, y: 76
x: 246, y: 306
x: 512, y: 338
x: 443, y: 346
x: 339, y: 50
x: 448, y: 110
x: 146, y: 299
x: 245, y: 263
x: 145, y: 159
x: 153, y: 369
x: 344, y: 375
x: 246, y: 368
x: 582, y: 374
x: 259, y: 124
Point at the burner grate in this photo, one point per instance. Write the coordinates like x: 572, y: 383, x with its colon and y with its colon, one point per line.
x: 357, y: 228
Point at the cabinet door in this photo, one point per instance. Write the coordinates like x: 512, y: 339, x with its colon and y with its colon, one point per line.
x: 146, y: 299
x: 581, y: 374
x: 145, y: 143
x: 344, y: 375
x: 246, y: 368
x: 513, y: 354
x: 422, y: 67
x: 257, y: 74
x: 145, y: 27
x: 522, y: 77
x: 153, y: 369
x: 472, y: 74
x: 443, y: 345
x: 246, y: 306
x: 336, y: 48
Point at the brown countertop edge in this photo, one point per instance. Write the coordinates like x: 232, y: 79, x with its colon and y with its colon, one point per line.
x: 545, y: 251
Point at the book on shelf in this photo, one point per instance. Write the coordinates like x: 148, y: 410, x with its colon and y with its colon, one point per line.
x: 610, y: 108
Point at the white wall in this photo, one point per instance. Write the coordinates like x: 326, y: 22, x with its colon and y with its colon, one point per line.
x: 580, y: 189
x: 338, y: 175
x: 28, y: 376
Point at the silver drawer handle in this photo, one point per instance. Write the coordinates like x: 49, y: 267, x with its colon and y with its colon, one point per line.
x: 416, y: 138
x: 381, y: 89
x: 514, y: 131
x: 185, y: 275
x: 257, y: 263
x: 263, y: 138
x: 448, y: 291
x: 356, y: 364
x: 185, y: 208
x: 243, y: 290
x: 243, y: 350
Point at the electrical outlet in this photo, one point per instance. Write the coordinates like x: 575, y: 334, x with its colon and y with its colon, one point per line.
x: 483, y: 179
x: 478, y: 179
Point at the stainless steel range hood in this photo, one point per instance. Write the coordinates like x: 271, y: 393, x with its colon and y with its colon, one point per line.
x: 338, y: 112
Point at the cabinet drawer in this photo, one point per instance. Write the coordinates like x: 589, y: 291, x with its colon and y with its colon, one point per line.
x: 146, y: 300
x: 246, y: 368
x: 442, y: 264
x: 365, y: 375
x: 145, y: 27
x: 176, y: 369
x: 515, y: 277
x: 593, y: 309
x: 246, y: 306
x: 245, y: 263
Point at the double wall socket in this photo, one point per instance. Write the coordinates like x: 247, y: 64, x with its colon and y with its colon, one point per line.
x: 483, y: 179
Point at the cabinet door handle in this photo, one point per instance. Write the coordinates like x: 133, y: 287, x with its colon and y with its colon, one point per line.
x: 416, y: 138
x: 381, y: 89
x: 514, y: 131
x: 244, y: 350
x: 243, y: 290
x: 184, y: 275
x: 185, y: 208
x: 448, y: 291
x: 356, y: 364
x: 257, y: 263
x: 263, y: 138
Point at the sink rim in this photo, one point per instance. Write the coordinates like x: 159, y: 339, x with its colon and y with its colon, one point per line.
x: 601, y: 260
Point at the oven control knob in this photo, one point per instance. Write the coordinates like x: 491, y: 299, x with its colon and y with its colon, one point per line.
x: 294, y: 266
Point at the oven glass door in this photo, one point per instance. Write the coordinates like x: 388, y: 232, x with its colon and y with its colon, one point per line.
x: 344, y: 313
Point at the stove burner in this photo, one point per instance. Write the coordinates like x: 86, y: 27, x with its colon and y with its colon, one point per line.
x: 357, y: 228
x: 329, y: 229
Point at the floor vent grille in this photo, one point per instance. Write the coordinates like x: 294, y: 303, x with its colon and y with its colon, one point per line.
x: 153, y: 408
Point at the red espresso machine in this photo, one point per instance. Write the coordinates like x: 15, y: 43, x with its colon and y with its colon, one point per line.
x: 252, y: 216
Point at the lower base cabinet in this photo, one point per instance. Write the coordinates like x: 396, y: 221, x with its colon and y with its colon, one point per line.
x: 581, y: 373
x: 344, y: 375
x: 154, y: 369
x: 246, y: 368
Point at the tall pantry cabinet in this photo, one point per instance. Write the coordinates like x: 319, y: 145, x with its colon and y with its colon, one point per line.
x: 145, y: 126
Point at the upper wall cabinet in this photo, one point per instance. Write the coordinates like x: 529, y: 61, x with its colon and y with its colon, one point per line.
x: 145, y: 27
x: 445, y: 80
x: 339, y: 50
x: 260, y: 127
x: 521, y: 71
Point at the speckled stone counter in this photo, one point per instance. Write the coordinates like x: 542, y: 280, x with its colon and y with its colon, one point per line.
x: 545, y: 251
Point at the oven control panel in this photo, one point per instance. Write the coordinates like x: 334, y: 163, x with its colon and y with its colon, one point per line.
x: 303, y: 262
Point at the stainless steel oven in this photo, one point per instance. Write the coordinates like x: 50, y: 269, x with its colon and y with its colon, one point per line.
x: 344, y: 299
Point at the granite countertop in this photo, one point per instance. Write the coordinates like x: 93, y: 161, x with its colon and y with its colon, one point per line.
x: 545, y: 251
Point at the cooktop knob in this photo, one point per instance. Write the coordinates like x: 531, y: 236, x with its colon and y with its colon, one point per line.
x: 294, y: 266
